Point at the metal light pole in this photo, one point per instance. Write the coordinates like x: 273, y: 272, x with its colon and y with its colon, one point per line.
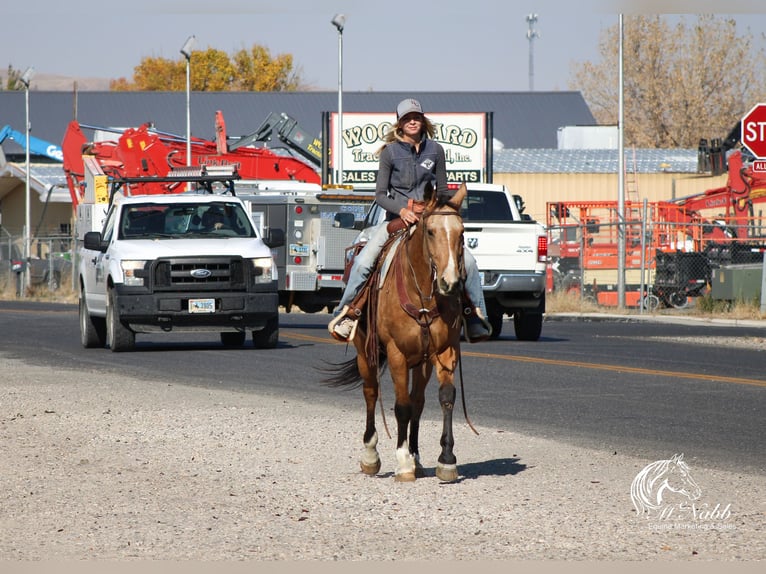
x: 621, y: 176
x: 186, y: 51
x: 531, y: 35
x: 26, y: 78
x: 339, y: 20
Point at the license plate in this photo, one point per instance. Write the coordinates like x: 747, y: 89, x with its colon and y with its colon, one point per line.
x: 201, y: 305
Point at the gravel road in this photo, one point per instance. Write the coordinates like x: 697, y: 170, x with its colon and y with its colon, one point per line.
x: 105, y: 467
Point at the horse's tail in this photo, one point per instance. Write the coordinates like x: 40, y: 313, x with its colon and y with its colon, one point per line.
x: 343, y: 374
x: 347, y: 374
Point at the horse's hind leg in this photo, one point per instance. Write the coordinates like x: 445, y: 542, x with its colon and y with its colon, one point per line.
x: 417, y: 398
x: 405, y: 462
x: 370, y: 461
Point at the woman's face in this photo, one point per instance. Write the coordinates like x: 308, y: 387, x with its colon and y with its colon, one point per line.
x: 412, y: 125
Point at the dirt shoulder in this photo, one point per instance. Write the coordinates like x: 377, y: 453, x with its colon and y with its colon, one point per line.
x: 105, y: 467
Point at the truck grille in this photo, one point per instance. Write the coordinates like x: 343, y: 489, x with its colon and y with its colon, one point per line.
x: 199, y: 274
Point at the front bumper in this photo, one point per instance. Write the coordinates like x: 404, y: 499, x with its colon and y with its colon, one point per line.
x: 219, y: 311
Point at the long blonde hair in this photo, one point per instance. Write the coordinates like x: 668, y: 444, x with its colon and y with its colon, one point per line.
x: 395, y: 133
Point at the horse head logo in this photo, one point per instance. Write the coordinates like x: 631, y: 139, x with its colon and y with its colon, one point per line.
x: 658, y: 480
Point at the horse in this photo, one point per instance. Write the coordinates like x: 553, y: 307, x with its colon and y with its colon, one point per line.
x: 416, y: 322
x: 660, y: 478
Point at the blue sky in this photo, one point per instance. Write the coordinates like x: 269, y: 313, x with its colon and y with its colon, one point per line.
x: 388, y: 45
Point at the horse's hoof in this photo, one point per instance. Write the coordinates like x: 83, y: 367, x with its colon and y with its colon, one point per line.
x: 446, y: 472
x: 420, y: 472
x: 370, y: 469
x: 405, y: 477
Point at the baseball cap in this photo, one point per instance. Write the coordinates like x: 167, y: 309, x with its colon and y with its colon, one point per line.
x: 408, y: 106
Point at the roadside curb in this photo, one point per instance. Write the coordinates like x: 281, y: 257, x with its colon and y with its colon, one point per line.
x: 712, y: 321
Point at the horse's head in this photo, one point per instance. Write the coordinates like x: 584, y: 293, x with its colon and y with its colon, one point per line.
x: 679, y: 478
x: 442, y: 229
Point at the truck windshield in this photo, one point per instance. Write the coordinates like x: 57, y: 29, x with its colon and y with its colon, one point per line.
x: 184, y: 220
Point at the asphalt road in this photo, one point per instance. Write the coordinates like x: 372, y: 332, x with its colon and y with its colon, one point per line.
x: 640, y: 388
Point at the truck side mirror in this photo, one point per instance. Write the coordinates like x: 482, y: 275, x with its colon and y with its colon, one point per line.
x: 275, y: 237
x: 92, y: 240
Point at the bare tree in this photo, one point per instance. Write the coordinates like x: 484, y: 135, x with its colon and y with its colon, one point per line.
x: 682, y: 82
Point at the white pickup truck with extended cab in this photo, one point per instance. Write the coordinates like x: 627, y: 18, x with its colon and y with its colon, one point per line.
x: 511, y: 251
x: 179, y: 261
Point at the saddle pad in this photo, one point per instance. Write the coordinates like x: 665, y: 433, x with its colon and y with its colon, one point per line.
x: 388, y: 259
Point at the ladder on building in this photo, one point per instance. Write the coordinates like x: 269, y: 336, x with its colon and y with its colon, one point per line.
x: 632, y: 201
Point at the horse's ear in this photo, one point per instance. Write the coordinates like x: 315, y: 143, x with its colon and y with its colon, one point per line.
x: 457, y: 200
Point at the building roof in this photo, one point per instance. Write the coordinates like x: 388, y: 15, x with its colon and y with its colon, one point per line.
x: 594, y: 161
x: 520, y: 119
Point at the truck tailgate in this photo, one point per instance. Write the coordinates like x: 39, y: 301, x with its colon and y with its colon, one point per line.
x: 503, y: 246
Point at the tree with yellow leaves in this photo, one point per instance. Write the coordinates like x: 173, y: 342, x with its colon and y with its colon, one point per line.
x: 214, y: 71
x: 681, y: 82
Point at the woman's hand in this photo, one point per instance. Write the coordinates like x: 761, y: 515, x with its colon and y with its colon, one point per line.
x: 408, y: 216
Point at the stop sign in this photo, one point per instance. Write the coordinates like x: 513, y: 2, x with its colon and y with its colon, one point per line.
x: 753, y: 135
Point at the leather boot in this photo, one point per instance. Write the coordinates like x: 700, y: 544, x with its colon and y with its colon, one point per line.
x: 476, y: 327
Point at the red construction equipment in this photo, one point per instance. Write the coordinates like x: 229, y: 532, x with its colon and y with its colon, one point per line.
x: 142, y: 152
x: 583, y: 240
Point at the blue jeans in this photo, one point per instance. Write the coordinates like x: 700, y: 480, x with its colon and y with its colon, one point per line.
x: 365, y: 260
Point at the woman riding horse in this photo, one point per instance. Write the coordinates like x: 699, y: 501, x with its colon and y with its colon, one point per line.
x: 413, y: 324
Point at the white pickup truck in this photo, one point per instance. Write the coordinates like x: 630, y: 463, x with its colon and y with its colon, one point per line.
x: 511, y: 251
x: 180, y: 261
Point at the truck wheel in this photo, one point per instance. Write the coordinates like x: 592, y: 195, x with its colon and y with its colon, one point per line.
x: 233, y: 339
x: 92, y: 329
x: 118, y: 336
x: 528, y: 326
x: 678, y: 299
x: 268, y: 337
x: 54, y: 284
x: 496, y: 321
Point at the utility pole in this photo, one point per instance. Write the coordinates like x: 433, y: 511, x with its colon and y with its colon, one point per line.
x: 531, y: 35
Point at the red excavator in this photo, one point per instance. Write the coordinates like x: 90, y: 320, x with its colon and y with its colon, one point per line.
x: 144, y: 152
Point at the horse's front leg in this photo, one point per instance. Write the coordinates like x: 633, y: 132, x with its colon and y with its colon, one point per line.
x: 446, y: 468
x: 405, y: 462
x: 370, y: 461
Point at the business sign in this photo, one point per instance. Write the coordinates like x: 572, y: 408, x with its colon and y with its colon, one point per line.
x: 464, y: 137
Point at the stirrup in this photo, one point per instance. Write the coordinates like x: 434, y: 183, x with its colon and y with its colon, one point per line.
x: 349, y: 313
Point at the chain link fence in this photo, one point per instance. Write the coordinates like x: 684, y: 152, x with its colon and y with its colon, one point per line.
x: 49, y: 265
x: 669, y: 258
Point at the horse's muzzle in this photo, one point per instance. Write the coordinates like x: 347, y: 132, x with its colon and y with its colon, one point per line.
x: 449, y: 288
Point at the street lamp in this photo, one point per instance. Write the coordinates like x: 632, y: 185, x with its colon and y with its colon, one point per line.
x: 186, y: 51
x: 26, y: 78
x: 339, y: 20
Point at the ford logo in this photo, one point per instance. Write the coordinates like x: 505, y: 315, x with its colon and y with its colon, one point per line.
x: 200, y: 273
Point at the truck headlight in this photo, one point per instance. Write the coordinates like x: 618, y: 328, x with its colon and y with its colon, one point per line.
x: 263, y: 270
x: 131, y: 273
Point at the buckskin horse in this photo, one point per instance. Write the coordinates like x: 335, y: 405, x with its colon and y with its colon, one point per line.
x: 413, y: 324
